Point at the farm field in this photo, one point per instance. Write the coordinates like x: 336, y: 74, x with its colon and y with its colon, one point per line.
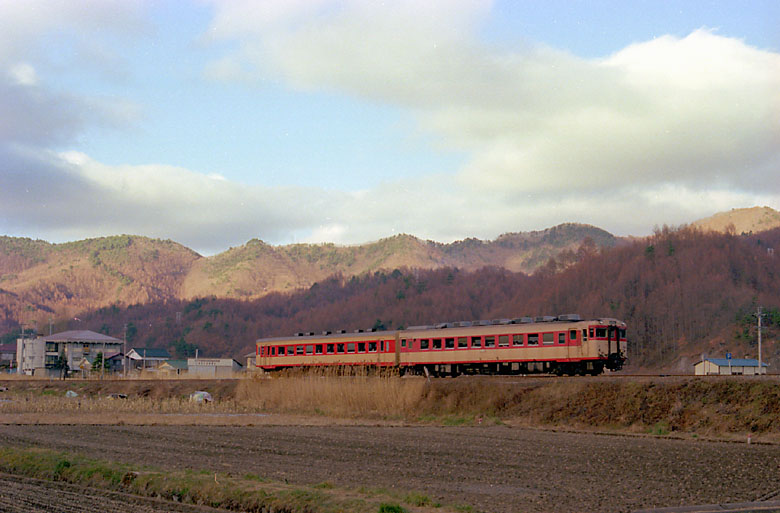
x: 490, y: 468
x: 26, y: 495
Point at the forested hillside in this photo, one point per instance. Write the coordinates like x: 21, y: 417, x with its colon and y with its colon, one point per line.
x: 40, y: 280
x: 682, y: 292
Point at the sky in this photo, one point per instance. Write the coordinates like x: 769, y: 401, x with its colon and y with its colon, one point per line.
x: 214, y: 122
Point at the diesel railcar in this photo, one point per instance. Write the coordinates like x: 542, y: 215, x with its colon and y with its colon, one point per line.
x: 565, y: 344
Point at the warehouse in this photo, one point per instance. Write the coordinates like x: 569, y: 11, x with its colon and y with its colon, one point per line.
x: 728, y: 367
x: 213, y: 367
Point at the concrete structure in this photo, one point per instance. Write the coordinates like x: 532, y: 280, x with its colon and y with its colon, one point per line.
x: 41, y: 356
x: 726, y: 367
x: 147, y: 358
x: 251, y: 361
x: 213, y: 367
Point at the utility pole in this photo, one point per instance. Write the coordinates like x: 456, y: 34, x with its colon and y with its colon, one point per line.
x: 759, y: 314
x: 124, y: 356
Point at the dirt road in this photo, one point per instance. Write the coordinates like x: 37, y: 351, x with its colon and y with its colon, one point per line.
x: 492, y: 468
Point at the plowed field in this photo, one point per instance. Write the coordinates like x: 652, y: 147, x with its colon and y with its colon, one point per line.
x: 492, y: 468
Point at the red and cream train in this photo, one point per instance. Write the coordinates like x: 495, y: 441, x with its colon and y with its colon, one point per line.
x: 565, y: 344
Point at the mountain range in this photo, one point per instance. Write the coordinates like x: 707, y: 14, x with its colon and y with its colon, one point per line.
x: 222, y: 302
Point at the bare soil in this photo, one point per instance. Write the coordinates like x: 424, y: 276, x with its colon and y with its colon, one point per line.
x: 27, y: 495
x: 492, y: 468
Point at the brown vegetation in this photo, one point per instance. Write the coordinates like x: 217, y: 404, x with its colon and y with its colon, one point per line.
x: 713, y: 407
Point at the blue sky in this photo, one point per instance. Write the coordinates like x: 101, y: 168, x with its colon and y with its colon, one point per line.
x: 212, y: 122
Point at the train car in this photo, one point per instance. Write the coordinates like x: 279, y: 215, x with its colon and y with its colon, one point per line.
x: 565, y: 344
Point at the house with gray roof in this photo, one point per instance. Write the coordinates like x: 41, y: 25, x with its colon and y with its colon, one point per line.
x: 147, y: 358
x: 48, y: 356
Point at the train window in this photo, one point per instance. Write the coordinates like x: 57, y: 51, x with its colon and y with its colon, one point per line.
x: 561, y: 338
x: 318, y: 349
x: 329, y: 348
x: 372, y: 347
x: 533, y: 339
x: 623, y: 333
x: 410, y: 345
x: 298, y: 349
x: 280, y: 351
x: 503, y: 341
x: 572, y: 335
x: 449, y: 343
x: 436, y: 343
x: 273, y: 350
x: 591, y: 333
x: 361, y: 347
x: 476, y: 341
x: 310, y: 349
x: 423, y: 343
x: 584, y: 334
x: 547, y: 338
x: 463, y: 342
x: 340, y: 348
x: 403, y: 342
x: 351, y: 347
x: 490, y: 341
x: 601, y: 332
x: 517, y: 340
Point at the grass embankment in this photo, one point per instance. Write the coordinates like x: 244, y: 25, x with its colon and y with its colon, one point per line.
x: 709, y: 407
x: 715, y: 407
x: 249, y: 493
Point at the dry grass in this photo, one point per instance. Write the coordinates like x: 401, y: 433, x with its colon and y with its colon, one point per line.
x: 333, y: 394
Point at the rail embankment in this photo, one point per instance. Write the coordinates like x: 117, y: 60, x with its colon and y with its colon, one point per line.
x: 714, y: 407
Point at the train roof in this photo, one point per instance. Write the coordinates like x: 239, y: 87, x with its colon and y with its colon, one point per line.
x: 359, y: 333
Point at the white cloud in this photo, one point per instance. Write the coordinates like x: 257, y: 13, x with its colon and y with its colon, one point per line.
x: 697, y: 110
x: 663, y: 131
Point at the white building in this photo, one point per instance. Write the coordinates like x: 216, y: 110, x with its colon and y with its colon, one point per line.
x: 728, y: 367
x: 41, y: 356
x: 213, y: 367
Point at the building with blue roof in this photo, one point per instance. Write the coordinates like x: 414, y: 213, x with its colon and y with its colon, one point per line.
x: 728, y: 367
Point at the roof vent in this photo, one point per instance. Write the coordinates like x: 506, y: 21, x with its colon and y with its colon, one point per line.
x: 358, y: 330
x: 463, y: 324
x: 326, y: 332
x: 299, y: 334
x: 569, y: 317
x: 545, y: 318
x: 522, y: 320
